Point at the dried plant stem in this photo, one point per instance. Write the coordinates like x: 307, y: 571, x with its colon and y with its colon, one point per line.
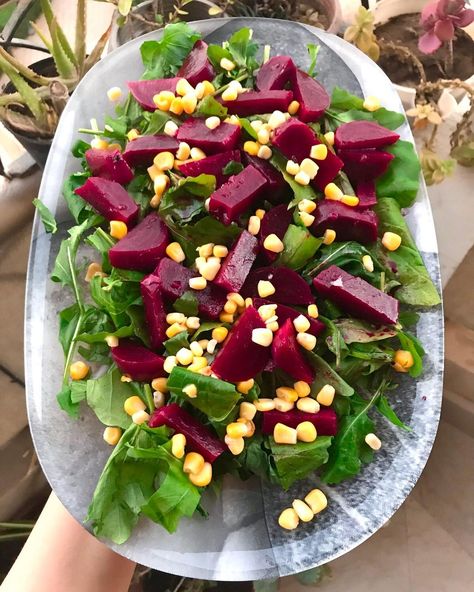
x: 431, y: 87
x: 404, y: 54
x: 448, y: 63
x: 431, y: 141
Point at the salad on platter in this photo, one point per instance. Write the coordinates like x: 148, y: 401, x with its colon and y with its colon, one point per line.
x: 245, y: 285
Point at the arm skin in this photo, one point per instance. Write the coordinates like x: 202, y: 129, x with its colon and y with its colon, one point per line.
x: 60, y: 555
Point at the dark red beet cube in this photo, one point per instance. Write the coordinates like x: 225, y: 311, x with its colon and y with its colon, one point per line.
x: 142, y: 150
x: 197, y: 67
x: 155, y: 313
x: 253, y: 102
x: 237, y: 264
x: 276, y: 188
x: 276, y: 221
x: 276, y: 73
x: 290, y: 287
x: 325, y: 421
x: 196, y: 133
x: 212, y: 165
x: 311, y: 95
x: 364, y: 165
x: 109, y: 164
x: 365, y: 191
x: 288, y: 355
x: 143, y: 91
x: 285, y: 312
x: 363, y: 134
x: 137, y: 361
x: 110, y: 199
x: 356, y: 296
x: 350, y: 224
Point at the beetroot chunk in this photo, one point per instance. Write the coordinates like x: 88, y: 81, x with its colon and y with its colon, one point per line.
x: 142, y: 150
x: 174, y: 282
x: 212, y: 165
x: 276, y: 221
x: 277, y: 187
x: 197, y: 67
x: 155, y: 312
x: 240, y: 358
x: 275, y: 73
x: 365, y: 165
x: 109, y: 164
x: 198, y: 437
x: 363, y: 134
x: 237, y: 264
x: 356, y: 296
x: 196, y: 133
x: 286, y: 312
x: 238, y: 194
x: 287, y: 354
x: 325, y: 421
x: 143, y: 91
x: 137, y: 361
x: 253, y: 102
x: 350, y: 224
x: 311, y: 96
x: 290, y: 287
x: 142, y: 247
x: 110, y: 199
x: 366, y: 193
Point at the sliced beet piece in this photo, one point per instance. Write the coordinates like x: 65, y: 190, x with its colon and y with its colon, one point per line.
x: 197, y: 67
x: 366, y: 193
x: 285, y: 312
x: 196, y: 133
x: 212, y: 165
x: 277, y: 187
x: 253, y: 102
x: 142, y: 247
x: 174, y: 282
x: 240, y: 358
x: 275, y: 221
x: 365, y: 165
x: 311, y: 96
x: 155, y: 313
x: 350, y: 224
x: 356, y: 296
x: 363, y: 134
x: 110, y: 199
x: 143, y: 91
x: 109, y: 164
x: 290, y: 287
x: 238, y: 194
x: 142, y: 150
x: 237, y: 264
x: 198, y: 437
x: 275, y: 73
x: 325, y: 421
x: 287, y: 354
x: 137, y: 361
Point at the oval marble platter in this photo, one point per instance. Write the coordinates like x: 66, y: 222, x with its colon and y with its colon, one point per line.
x: 241, y: 539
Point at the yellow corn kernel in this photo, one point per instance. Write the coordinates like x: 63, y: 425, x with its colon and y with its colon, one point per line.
x: 212, y: 122
x: 193, y: 463
x: 169, y: 363
x: 111, y: 340
x: 264, y: 404
x: 313, y: 311
x: 391, y: 241
x: 193, y: 323
x: 230, y: 307
x: 260, y: 213
x: 287, y: 393
x: 302, y: 388
x: 183, y: 151
x: 125, y: 378
x: 190, y: 389
x: 251, y: 148
x: 160, y: 384
x: 153, y: 172
x: 236, y: 430
x: 326, y: 395
x: 263, y: 136
x: 267, y: 311
x: 276, y: 119
x: 273, y: 326
x: 301, y: 323
x: 197, y: 153
x: 170, y: 129
x: 99, y: 144
x: 159, y: 399
x: 163, y: 100
x: 309, y: 167
x: 234, y: 120
x: 205, y: 250
x: 282, y: 405
x: 316, y: 500
x: 306, y: 340
x: 265, y: 288
x: 178, y: 443
x: 132, y: 134
x: 197, y: 283
x: 226, y: 317
x: 176, y: 106
x: 211, y: 346
x: 292, y: 168
x: 112, y: 435
x: 302, y: 178
x: 368, y: 263
x: 164, y: 161
x: 371, y: 103
x: 227, y: 64
x: 307, y: 206
x: 373, y: 441
x: 329, y: 236
x: 282, y: 434
x: 133, y: 404
x: 93, y: 270
x: 219, y: 334
x: 245, y: 386
x: 265, y: 153
x: 304, y: 512
x: 155, y: 201
x: 248, y: 302
x: 308, y: 405
x: 118, y: 229
x: 203, y: 343
x: 189, y: 103
x: 160, y: 184
x: 288, y: 519
x: 204, y: 477
x: 175, y: 252
x: 293, y: 107
x: 247, y: 410
x: 184, y: 356
x: 230, y: 94
x: 175, y: 317
x: 235, y: 445
x: 183, y: 87
x: 319, y: 152
x: 250, y: 426
x: 254, y: 225
x: 208, y: 88
x: 329, y: 137
x: 210, y: 269
x: 306, y: 432
x: 332, y: 191
x: 140, y: 417
x: 198, y: 364
x: 78, y: 370
x: 199, y: 90
x: 196, y: 348
x: 174, y: 329
x: 263, y: 337
x: 273, y: 243
x: 350, y: 200
x: 404, y: 358
x: 114, y: 146
x: 257, y: 125
x: 220, y: 251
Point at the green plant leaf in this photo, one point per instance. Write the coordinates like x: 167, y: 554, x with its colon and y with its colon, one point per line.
x: 300, y: 191
x: 325, y: 374
x: 413, y: 345
x: 232, y: 168
x: 208, y: 107
x: 356, y: 331
x: 184, y: 202
x: 28, y: 94
x: 64, y: 399
x: 124, y: 7
x: 391, y: 220
x: 46, y: 216
x: 174, y: 344
x: 299, y: 247
x: 389, y: 119
x: 61, y: 38
x: 344, y: 100
x: 106, y: 396
x: 64, y: 266
x: 384, y: 408
x: 313, y: 51
x: 65, y: 64
x: 401, y: 180
x: 187, y: 304
x: 243, y: 49
x: 79, y: 208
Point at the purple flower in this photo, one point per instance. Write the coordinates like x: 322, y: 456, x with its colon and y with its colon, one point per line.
x: 439, y: 19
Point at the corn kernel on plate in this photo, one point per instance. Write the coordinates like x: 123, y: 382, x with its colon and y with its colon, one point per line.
x: 249, y: 316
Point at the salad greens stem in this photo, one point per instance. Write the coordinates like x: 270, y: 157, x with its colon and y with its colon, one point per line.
x: 226, y: 86
x: 92, y: 132
x: 80, y: 320
x: 149, y: 398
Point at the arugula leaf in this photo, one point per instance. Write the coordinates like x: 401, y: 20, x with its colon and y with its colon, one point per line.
x: 206, y: 327
x: 299, y: 247
x: 163, y: 58
x: 391, y: 220
x: 402, y: 178
x: 68, y: 319
x: 46, y: 216
x: 417, y: 288
x: 300, y: 191
x: 215, y: 53
x: 326, y: 375
x: 136, y: 314
x: 245, y: 123
x: 64, y: 271
x: 78, y: 391
x: 208, y: 106
x: 106, y: 396
x: 154, y: 123
x: 384, y: 408
x: 216, y: 398
x: 187, y: 304
x: 79, y: 208
x: 296, y: 461
x: 313, y: 51
x: 335, y: 341
x: 243, y: 49
x: 64, y: 399
x: 116, y: 127
x: 232, y: 168
x: 174, y: 344
x: 356, y: 331
x: 372, y: 356
x: 126, y: 331
x: 413, y: 345
x: 80, y: 148
x: 102, y: 242
x: 256, y: 458
x: 140, y: 188
x: 184, y: 202
x: 115, y: 297
x: 344, y: 100
x: 389, y: 119
x: 407, y: 318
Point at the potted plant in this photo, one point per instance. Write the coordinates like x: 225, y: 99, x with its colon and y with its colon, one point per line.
x: 32, y: 102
